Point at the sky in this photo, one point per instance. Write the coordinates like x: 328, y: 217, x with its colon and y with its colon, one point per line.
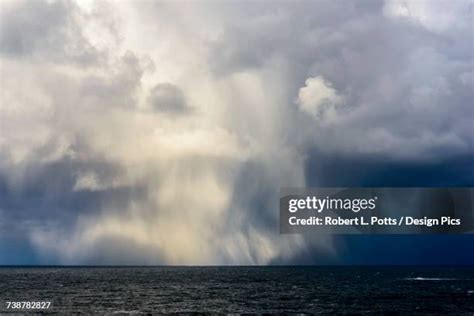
x: 160, y: 132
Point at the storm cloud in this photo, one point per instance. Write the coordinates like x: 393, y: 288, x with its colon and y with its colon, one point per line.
x: 149, y: 132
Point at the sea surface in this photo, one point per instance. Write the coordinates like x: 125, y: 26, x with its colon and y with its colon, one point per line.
x: 315, y: 290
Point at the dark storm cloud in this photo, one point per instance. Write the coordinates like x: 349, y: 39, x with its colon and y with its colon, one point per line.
x: 56, y: 194
x: 406, y: 88
x: 378, y: 171
x: 390, y: 250
x: 255, y: 35
x: 167, y: 97
x: 44, y: 31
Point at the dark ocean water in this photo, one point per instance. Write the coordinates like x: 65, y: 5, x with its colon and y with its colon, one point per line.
x: 321, y: 290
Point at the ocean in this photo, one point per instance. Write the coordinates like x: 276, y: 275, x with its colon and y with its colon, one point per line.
x: 315, y: 290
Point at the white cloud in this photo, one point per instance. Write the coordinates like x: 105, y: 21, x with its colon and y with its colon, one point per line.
x: 318, y: 97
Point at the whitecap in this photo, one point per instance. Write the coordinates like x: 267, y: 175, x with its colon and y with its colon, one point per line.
x: 429, y: 279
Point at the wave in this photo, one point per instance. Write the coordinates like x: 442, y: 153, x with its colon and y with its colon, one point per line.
x: 430, y: 279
